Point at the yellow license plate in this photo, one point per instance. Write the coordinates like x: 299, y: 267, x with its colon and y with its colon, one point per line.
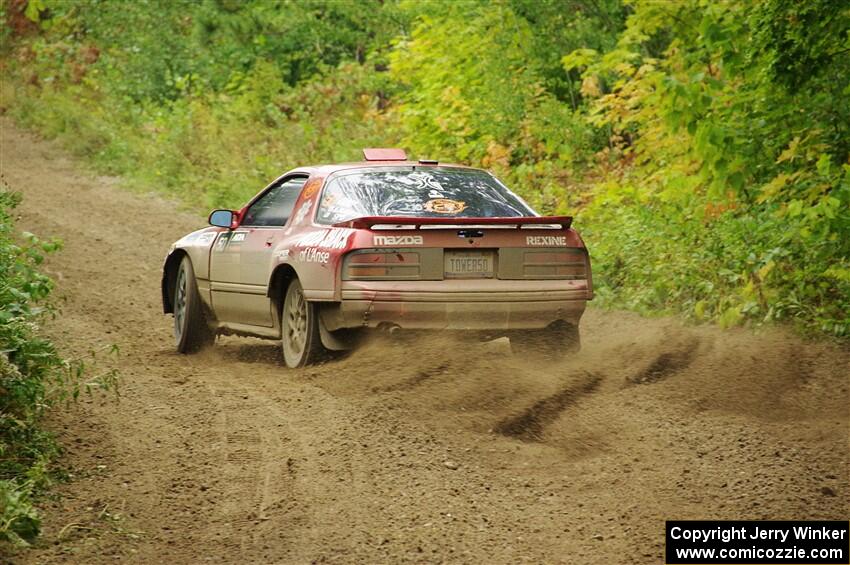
x: 469, y: 264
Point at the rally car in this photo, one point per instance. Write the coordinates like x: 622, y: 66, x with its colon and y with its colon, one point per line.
x: 326, y: 254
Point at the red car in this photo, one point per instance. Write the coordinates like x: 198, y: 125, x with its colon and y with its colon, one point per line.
x: 326, y: 253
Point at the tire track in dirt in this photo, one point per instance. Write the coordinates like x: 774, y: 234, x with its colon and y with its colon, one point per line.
x: 529, y: 424
x: 246, y: 465
x: 406, y: 454
x: 414, y: 381
x: 666, y: 364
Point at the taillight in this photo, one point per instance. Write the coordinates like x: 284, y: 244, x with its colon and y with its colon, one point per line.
x: 554, y: 264
x: 377, y: 265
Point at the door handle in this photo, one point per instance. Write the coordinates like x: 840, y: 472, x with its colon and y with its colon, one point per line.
x: 269, y: 241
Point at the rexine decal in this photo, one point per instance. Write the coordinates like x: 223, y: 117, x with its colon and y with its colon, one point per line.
x: 546, y: 240
x: 397, y: 240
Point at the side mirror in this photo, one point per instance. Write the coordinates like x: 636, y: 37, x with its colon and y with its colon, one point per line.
x: 222, y: 218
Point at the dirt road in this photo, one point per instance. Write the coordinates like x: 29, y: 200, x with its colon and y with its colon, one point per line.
x: 428, y: 452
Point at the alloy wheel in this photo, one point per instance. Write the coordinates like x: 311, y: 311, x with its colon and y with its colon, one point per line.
x: 296, y: 317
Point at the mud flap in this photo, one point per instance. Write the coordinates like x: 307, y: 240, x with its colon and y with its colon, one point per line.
x: 340, y: 340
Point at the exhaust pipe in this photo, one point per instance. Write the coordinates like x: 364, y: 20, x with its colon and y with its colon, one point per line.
x: 389, y: 328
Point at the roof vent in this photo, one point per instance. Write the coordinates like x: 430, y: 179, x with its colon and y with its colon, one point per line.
x: 384, y: 154
x: 428, y: 162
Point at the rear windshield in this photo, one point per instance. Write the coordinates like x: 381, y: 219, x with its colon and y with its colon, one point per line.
x: 443, y: 193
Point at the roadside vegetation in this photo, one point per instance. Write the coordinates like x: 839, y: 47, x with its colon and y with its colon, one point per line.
x: 34, y: 376
x: 703, y: 146
x: 30, y: 370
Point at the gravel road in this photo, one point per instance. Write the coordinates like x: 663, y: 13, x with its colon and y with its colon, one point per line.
x: 422, y: 452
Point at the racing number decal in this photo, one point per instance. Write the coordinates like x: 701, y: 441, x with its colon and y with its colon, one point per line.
x: 445, y: 206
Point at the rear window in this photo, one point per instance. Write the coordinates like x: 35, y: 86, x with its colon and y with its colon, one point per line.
x: 430, y: 193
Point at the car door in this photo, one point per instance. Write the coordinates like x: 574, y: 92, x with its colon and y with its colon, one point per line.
x: 240, y: 263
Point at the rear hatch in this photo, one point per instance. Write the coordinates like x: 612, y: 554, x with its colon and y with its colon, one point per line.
x: 487, y: 249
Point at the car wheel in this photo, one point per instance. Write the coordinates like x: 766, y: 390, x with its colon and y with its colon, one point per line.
x: 302, y: 344
x: 551, y: 343
x: 191, y: 332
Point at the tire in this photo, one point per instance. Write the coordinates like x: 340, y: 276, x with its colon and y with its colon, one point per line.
x: 551, y: 343
x: 191, y: 331
x: 299, y: 320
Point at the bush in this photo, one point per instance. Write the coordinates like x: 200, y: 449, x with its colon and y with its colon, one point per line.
x: 33, y: 376
x: 729, y: 199
x: 28, y: 364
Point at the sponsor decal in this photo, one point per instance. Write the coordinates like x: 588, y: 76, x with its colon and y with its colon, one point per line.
x: 310, y: 189
x: 445, y: 206
x: 397, y: 240
x: 302, y: 212
x: 427, y: 181
x: 336, y: 238
x: 194, y: 237
x: 314, y: 255
x: 229, y: 237
x: 546, y: 240
x: 283, y: 254
x: 206, y: 238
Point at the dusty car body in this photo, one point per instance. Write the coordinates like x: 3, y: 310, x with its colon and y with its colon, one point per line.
x: 324, y: 253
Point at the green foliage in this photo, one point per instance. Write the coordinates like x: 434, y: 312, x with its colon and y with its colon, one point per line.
x: 703, y: 145
x: 799, y: 42
x: 471, y: 93
x: 27, y: 363
x: 27, y: 359
x: 156, y: 50
x: 33, y: 376
x: 738, y: 158
x: 19, y: 522
x: 195, y: 98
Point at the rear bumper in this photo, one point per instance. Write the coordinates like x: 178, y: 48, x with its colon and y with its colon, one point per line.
x: 470, y: 305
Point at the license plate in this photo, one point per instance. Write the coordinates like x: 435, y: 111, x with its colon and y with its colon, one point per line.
x: 469, y: 264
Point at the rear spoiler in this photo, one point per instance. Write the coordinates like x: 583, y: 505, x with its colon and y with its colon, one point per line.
x: 368, y: 221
